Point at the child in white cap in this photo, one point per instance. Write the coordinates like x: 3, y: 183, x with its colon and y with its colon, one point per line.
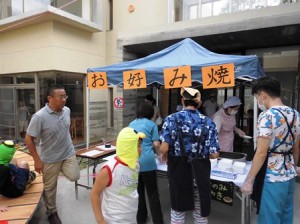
x: 114, y: 195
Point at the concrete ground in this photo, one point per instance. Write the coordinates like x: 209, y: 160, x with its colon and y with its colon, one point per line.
x: 72, y: 211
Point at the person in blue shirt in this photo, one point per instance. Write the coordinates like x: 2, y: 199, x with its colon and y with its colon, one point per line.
x: 147, y: 174
x: 187, y: 135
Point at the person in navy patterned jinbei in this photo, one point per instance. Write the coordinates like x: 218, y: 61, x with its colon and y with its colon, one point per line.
x: 191, y: 123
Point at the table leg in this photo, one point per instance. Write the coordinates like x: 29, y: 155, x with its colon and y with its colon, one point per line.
x: 94, y: 171
x: 95, y: 162
x: 245, y: 209
x: 88, y: 172
x: 76, y: 190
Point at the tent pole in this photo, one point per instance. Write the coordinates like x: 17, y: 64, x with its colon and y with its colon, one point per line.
x: 87, y: 120
x: 156, y: 96
x: 87, y: 131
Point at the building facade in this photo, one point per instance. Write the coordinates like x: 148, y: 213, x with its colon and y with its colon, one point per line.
x: 44, y: 42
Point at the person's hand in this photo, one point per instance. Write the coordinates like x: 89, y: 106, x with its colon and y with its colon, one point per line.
x: 38, y: 166
x: 3, y: 208
x: 240, y: 133
x: 247, y: 187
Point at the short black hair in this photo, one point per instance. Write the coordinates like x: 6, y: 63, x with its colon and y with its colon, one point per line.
x: 145, y: 110
x: 150, y: 98
x: 54, y: 87
x: 189, y: 102
x: 267, y: 84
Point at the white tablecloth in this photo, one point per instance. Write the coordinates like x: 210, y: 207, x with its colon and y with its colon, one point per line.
x: 238, y: 181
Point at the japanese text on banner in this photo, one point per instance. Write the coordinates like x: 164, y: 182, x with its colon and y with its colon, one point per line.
x: 134, y: 79
x: 218, y: 76
x: 177, y: 77
x: 97, y: 80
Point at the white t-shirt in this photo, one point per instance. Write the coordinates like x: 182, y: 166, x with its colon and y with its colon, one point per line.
x: 120, y: 197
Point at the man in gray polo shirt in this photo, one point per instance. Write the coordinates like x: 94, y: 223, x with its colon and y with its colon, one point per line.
x: 56, y: 152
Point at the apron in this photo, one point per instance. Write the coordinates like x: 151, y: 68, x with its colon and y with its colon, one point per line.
x: 181, y: 173
x: 226, y: 133
x: 260, y: 177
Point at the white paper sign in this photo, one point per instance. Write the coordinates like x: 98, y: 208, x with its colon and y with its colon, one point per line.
x: 92, y: 153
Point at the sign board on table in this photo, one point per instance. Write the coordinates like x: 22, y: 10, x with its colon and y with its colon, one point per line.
x: 222, y: 191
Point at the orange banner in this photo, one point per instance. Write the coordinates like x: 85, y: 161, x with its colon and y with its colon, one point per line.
x: 134, y: 79
x: 218, y: 76
x: 177, y: 77
x: 97, y: 80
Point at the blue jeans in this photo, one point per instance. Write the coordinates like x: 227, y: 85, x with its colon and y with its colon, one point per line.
x: 277, y: 203
x: 19, y: 176
x: 13, y: 180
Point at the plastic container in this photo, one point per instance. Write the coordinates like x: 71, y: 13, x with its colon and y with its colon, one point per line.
x: 225, y: 164
x: 213, y: 163
x: 224, y: 174
x: 239, y: 167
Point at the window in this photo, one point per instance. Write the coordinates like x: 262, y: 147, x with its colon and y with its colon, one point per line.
x: 74, y: 8
x: 25, y: 78
x: 73, y: 84
x: 6, y: 79
x: 87, y: 9
x: 193, y: 12
x: 195, y: 9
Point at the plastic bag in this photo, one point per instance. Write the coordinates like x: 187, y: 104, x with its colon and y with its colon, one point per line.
x: 159, y: 121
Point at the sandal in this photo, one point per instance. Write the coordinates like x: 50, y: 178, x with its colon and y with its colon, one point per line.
x: 31, y: 177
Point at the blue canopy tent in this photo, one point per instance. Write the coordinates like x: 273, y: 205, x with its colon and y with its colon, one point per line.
x: 185, y: 52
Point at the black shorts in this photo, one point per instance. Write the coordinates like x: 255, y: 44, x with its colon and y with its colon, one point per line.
x: 14, y: 181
